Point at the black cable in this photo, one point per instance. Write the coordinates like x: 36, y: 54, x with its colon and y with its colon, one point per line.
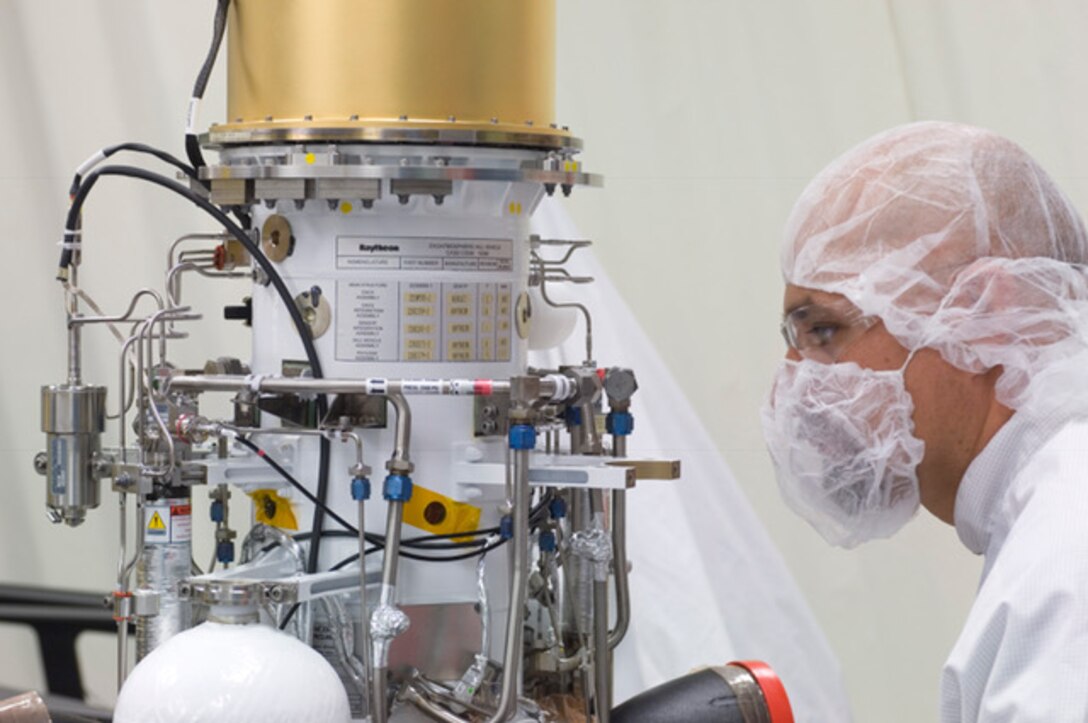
x: 317, y: 524
x: 218, y: 28
x: 378, y: 541
x: 534, y: 515
x: 290, y: 614
x: 449, y: 535
x: 137, y: 148
x: 298, y: 486
x: 303, y: 536
x: 373, y: 538
x: 235, y: 230
x: 425, y: 558
x: 444, y: 544
x: 425, y: 542
x: 347, y: 561
x: 108, y: 151
x: 192, y: 144
x: 301, y: 327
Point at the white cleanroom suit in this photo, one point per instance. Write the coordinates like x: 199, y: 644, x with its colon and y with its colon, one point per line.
x: 1023, y: 653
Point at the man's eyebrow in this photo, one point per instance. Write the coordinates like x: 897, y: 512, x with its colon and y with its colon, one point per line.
x: 806, y: 300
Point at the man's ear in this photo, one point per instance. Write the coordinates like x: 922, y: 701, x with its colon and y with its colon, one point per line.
x: 1004, y: 316
x: 1018, y: 304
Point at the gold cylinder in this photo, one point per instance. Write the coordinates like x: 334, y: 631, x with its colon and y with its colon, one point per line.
x: 484, y: 65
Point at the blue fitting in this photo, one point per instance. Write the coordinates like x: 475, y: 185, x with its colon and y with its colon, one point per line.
x: 506, y: 527
x: 360, y: 489
x: 224, y: 552
x: 397, y: 488
x: 217, y: 511
x: 547, y: 541
x: 557, y: 508
x: 573, y: 416
x: 522, y: 436
x: 619, y: 424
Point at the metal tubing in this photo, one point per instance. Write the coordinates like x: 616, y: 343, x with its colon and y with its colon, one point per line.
x: 591, y: 439
x: 602, y: 659
x: 126, y: 316
x: 549, y: 388
x: 403, y: 434
x: 126, y: 345
x: 602, y: 677
x: 342, y: 435
x: 431, y: 710
x: 391, y: 556
x: 74, y: 350
x: 193, y: 237
x: 146, y: 391
x: 173, y: 277
x: 390, y: 564
x: 579, y: 307
x: 619, y: 554
x: 511, y: 672
x: 74, y: 353
x: 399, y: 462
x: 343, y: 640
x: 122, y: 587
x: 364, y: 611
x: 379, y: 702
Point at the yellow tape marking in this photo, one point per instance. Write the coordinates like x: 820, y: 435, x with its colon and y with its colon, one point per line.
x: 440, y: 515
x: 272, y: 509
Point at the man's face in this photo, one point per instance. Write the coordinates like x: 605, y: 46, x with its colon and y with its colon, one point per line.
x: 950, y: 405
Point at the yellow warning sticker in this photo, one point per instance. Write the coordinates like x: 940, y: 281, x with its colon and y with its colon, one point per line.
x: 440, y: 515
x: 155, y: 524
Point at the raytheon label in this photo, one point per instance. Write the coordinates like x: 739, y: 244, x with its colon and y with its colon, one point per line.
x: 424, y: 254
x: 379, y: 248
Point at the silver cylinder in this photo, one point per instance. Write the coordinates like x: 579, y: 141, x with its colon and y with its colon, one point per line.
x: 165, y: 561
x: 73, y: 418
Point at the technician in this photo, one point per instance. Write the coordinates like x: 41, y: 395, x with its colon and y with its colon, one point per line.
x: 936, y: 312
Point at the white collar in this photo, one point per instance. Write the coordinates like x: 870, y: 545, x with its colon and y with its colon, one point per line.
x: 989, y: 475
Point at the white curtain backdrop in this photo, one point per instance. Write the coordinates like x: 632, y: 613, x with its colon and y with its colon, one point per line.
x: 707, y: 585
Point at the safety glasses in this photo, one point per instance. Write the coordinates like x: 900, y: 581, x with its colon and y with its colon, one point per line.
x: 822, y: 332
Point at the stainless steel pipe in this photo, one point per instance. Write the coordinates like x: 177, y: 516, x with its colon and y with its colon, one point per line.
x: 511, y: 671
x: 551, y: 387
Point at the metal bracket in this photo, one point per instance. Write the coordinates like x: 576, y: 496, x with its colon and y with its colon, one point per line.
x: 552, y: 471
x: 491, y: 415
x: 666, y: 469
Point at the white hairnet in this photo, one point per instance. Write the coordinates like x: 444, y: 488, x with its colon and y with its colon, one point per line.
x: 959, y: 241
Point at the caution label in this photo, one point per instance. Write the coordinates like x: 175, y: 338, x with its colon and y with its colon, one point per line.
x: 156, y: 526
x: 168, y: 522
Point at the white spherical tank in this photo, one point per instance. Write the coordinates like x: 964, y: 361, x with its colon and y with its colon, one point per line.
x: 237, y: 673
